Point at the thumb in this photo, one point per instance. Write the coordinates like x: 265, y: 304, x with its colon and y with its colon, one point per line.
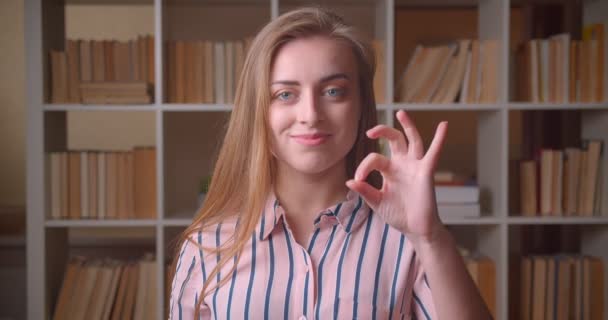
x: 370, y: 194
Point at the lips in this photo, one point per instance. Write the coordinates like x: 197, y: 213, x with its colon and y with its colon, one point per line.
x: 314, y: 139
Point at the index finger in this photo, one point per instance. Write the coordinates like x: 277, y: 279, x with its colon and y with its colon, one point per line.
x: 416, y: 146
x: 396, y: 140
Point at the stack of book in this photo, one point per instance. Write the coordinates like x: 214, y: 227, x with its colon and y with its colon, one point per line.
x: 108, y: 289
x: 102, y: 61
x: 562, y: 287
x: 102, y: 185
x: 561, y: 70
x: 563, y: 182
x: 465, y: 71
x: 483, y: 271
x: 457, y: 197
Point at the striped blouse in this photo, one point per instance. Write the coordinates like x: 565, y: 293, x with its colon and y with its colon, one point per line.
x: 354, y: 266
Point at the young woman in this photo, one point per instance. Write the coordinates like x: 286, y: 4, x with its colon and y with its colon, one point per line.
x: 297, y: 223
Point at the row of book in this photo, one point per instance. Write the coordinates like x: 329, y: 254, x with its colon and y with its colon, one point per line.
x: 91, y: 61
x: 457, y: 196
x: 562, y: 287
x: 208, y: 71
x: 102, y: 185
x: 563, y: 182
x: 465, y: 71
x: 559, y: 69
x: 108, y: 289
x: 204, y: 71
x: 100, y: 289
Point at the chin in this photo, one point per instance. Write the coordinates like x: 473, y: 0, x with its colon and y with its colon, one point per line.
x: 312, y: 167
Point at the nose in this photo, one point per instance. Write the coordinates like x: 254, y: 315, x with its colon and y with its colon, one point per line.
x: 309, y: 108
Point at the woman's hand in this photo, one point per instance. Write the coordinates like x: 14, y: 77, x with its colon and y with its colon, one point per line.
x: 407, y: 198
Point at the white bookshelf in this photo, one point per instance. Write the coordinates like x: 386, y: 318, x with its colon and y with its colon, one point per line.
x: 187, y: 134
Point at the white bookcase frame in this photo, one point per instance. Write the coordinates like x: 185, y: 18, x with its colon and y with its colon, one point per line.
x: 47, y: 241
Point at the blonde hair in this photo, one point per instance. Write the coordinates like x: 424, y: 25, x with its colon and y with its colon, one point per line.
x: 243, y: 174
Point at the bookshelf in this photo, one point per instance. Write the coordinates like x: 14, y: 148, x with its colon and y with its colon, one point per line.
x: 187, y: 135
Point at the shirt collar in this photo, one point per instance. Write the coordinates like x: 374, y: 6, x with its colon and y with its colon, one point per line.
x: 349, y: 213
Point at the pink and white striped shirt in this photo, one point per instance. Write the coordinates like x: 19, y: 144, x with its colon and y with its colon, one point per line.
x: 355, y: 266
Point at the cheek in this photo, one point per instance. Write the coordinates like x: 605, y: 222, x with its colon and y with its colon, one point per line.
x: 276, y: 121
x: 350, y: 122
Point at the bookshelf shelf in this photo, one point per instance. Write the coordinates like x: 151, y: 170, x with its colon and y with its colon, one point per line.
x: 473, y: 221
x: 105, y: 2
x: 176, y: 222
x: 383, y: 107
x: 187, y: 135
x: 558, y: 220
x: 195, y: 107
x: 91, y: 107
x: 447, y: 107
x: 99, y: 223
x: 216, y: 2
x: 554, y: 106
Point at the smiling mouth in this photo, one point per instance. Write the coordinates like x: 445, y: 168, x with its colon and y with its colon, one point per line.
x: 311, y: 139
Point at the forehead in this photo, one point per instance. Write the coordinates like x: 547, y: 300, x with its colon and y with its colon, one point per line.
x: 311, y: 58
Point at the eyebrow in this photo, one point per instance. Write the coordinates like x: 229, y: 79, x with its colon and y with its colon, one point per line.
x: 324, y: 79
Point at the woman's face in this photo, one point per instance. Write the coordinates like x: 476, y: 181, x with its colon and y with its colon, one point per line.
x: 315, y: 104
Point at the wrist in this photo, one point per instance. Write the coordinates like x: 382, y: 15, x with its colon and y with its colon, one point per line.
x: 439, y: 238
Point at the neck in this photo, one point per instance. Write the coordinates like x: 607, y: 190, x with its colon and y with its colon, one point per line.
x: 304, y: 196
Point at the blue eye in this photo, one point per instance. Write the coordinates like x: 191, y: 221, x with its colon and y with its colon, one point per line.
x: 284, y: 95
x: 335, y: 92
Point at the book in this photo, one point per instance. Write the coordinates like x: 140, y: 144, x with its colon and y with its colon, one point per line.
x: 453, y: 80
x: 562, y: 286
x: 99, y: 60
x: 73, y: 65
x: 74, y: 185
x: 528, y: 187
x: 456, y: 194
x: 458, y: 210
x: 107, y: 288
x: 87, y: 61
x: 84, y: 185
x: 483, y: 272
x: 67, y: 291
x: 145, y: 183
x: 488, y: 89
x: 220, y: 65
x: 102, y: 184
x: 59, y: 77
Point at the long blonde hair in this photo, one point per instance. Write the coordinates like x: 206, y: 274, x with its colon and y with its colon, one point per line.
x: 243, y: 174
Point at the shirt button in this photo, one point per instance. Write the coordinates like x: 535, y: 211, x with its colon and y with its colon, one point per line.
x: 302, y: 318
